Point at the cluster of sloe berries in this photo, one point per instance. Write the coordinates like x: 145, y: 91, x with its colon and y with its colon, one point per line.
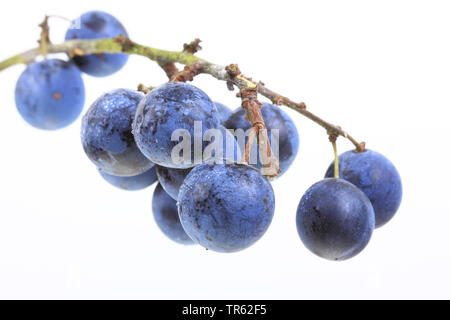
x: 224, y: 206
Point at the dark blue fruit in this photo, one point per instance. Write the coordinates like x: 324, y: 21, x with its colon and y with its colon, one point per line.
x: 97, y: 25
x: 166, y: 216
x: 335, y: 220
x: 224, y: 111
x: 274, y: 118
x: 377, y: 177
x: 225, y: 207
x: 133, y: 183
x: 169, y: 107
x: 171, y: 179
x: 106, y: 134
x: 50, y: 94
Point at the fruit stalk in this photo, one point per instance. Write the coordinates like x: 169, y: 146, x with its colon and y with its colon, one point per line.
x: 333, y: 138
x: 248, y: 146
x: 165, y: 58
x: 270, y: 165
x: 336, y: 160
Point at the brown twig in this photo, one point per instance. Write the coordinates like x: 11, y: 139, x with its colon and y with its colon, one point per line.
x: 251, y: 137
x: 188, y: 73
x: 270, y: 165
x: 193, y: 47
x: 233, y: 76
x: 169, y: 68
x: 301, y: 108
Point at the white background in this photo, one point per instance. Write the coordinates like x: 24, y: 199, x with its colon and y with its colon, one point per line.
x: 380, y: 69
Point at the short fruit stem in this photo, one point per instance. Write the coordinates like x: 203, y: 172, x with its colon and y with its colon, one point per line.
x: 336, y: 159
x: 248, y: 146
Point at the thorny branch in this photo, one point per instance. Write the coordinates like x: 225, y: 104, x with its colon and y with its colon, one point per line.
x: 194, y: 66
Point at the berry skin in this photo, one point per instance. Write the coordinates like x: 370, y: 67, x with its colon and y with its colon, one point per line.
x: 106, y: 134
x: 133, y: 183
x: 225, y: 207
x: 169, y: 107
x: 171, y: 179
x: 97, y: 25
x: 377, y: 177
x: 166, y: 216
x: 50, y: 94
x: 274, y: 118
x: 224, y: 111
x: 335, y: 220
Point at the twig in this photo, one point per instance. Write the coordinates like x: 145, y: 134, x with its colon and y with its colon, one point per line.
x: 169, y: 68
x: 231, y: 74
x: 248, y: 146
x: 270, y: 165
x: 44, y: 39
x: 188, y: 73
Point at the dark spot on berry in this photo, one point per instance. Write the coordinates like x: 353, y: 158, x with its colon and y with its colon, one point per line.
x: 95, y: 22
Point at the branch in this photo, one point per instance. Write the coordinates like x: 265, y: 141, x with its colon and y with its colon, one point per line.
x: 301, y: 108
x: 188, y: 73
x: 231, y: 74
x: 110, y: 45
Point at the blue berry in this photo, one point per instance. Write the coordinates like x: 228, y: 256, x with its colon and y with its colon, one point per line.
x: 133, y: 183
x: 169, y: 107
x: 171, y: 179
x: 106, y: 134
x: 224, y: 111
x: 274, y: 118
x: 225, y: 207
x: 166, y: 216
x: 50, y: 94
x: 97, y: 25
x: 335, y: 220
x: 377, y: 177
